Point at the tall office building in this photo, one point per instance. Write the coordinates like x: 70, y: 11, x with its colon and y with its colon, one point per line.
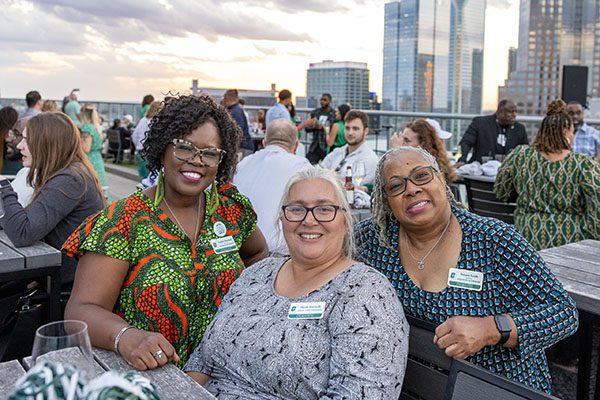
x: 512, y: 60
x: 433, y: 55
x: 347, y: 82
x: 552, y: 34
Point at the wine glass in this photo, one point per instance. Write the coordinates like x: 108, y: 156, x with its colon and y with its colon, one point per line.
x: 65, y: 341
x: 358, y: 172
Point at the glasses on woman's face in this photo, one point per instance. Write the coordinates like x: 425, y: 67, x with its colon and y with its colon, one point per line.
x: 322, y: 213
x: 420, y: 176
x: 185, y: 151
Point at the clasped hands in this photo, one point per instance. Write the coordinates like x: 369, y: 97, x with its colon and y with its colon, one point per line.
x: 462, y: 336
x: 146, y: 350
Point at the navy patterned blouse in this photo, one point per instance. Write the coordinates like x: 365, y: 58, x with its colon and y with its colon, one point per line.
x: 516, y: 282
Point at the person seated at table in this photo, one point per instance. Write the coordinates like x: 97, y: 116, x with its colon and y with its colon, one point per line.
x: 495, y: 300
x: 427, y: 134
x: 356, y: 150
x: 313, y: 325
x: 558, y: 190
x: 66, y: 188
x: 154, y: 266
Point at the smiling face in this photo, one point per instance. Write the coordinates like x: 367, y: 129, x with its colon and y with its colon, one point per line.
x: 190, y: 178
x: 418, y: 205
x: 312, y: 242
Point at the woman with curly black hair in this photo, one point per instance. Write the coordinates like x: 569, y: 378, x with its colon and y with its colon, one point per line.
x: 154, y: 266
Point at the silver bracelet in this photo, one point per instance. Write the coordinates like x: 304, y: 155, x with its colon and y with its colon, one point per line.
x: 118, y: 337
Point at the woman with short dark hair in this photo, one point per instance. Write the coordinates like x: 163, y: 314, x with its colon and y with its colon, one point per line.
x: 154, y: 266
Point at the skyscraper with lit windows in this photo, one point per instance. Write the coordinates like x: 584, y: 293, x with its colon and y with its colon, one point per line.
x: 433, y: 55
x: 552, y: 34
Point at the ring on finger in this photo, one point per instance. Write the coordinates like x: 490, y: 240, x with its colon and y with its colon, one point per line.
x: 158, y: 355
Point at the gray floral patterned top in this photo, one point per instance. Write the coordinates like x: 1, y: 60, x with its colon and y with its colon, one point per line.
x: 357, y: 350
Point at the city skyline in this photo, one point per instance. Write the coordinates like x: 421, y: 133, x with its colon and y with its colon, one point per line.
x: 124, y: 49
x: 433, y: 56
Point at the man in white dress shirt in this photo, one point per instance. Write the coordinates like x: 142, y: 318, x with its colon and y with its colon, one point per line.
x: 355, y: 150
x: 263, y: 175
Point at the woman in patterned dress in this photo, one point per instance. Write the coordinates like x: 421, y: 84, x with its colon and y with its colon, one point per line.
x: 495, y: 300
x: 315, y: 325
x: 154, y: 266
x: 91, y: 133
x: 558, y: 190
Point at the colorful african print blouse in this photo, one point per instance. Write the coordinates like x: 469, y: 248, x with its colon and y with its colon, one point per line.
x: 173, y: 286
x: 516, y: 281
x: 558, y: 203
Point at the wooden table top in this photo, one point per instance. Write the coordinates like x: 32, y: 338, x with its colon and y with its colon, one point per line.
x: 37, y: 255
x: 171, y: 382
x: 577, y: 266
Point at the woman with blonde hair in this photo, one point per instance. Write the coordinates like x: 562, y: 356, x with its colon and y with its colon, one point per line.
x: 92, y: 139
x: 558, y: 190
x: 49, y: 106
x: 66, y: 189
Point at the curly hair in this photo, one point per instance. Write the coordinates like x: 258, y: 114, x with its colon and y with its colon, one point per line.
x: 550, y: 138
x: 178, y: 118
x: 382, y: 212
x: 430, y: 141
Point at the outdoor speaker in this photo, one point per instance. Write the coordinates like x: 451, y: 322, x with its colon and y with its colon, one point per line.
x: 574, y: 84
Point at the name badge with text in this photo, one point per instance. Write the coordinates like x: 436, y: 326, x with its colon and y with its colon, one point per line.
x: 465, y: 279
x: 223, y: 245
x: 312, y: 310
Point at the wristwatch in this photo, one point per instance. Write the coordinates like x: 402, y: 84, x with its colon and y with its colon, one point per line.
x: 504, y: 327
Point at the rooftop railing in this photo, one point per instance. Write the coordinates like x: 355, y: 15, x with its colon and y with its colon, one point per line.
x: 382, y: 124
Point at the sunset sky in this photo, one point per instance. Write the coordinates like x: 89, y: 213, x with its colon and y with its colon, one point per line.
x: 122, y: 49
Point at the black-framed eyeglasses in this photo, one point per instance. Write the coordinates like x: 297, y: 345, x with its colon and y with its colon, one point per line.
x: 420, y: 176
x: 321, y: 213
x: 185, y: 151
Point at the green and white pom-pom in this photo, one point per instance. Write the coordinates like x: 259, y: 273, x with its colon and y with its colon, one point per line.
x: 127, y: 386
x: 55, y: 381
x: 49, y: 381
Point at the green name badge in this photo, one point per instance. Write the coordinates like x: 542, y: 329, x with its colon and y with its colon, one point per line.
x: 314, y: 310
x: 465, y: 279
x: 223, y: 245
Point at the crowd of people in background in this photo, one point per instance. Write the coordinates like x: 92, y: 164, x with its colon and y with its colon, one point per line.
x: 223, y: 241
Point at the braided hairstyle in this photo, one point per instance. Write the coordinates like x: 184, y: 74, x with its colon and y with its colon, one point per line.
x: 178, y: 118
x: 550, y: 138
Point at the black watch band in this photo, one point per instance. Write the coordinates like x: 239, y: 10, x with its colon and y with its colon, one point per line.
x: 504, y: 327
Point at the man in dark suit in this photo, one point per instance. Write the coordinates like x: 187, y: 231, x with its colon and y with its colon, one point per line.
x: 491, y: 135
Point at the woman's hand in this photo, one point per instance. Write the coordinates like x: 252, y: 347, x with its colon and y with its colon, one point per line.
x: 461, y: 336
x: 146, y: 350
x: 396, y: 140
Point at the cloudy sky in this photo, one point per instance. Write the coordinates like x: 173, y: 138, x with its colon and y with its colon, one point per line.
x: 123, y: 49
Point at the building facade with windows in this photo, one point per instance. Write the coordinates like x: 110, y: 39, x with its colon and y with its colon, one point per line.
x: 553, y: 34
x: 347, y: 82
x: 433, y: 55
